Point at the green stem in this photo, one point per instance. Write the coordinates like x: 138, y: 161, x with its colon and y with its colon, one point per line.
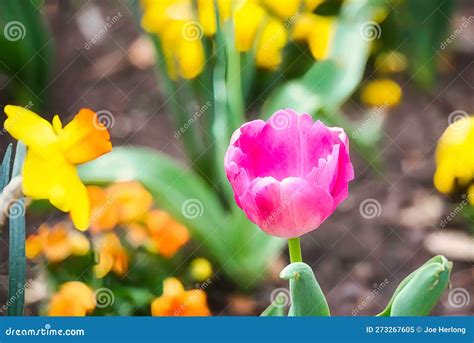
x: 294, y: 248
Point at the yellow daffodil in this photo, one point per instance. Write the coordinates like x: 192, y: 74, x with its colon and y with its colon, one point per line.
x: 262, y: 25
x: 112, y: 257
x: 273, y: 40
x: 49, y: 171
x: 383, y: 92
x: 73, y: 299
x: 283, y: 9
x: 175, y: 301
x: 455, y: 157
x: 201, y: 269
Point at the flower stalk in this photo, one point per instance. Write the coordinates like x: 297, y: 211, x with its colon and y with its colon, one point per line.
x: 294, y: 247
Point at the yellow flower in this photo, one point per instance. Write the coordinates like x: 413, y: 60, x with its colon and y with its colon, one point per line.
x: 56, y: 243
x: 49, y: 171
x: 201, y: 269
x: 248, y: 18
x: 271, y: 43
x: 390, y: 62
x: 317, y: 30
x: 455, y: 157
x: 112, y: 257
x: 285, y: 8
x: 175, y: 301
x: 382, y: 92
x: 73, y: 299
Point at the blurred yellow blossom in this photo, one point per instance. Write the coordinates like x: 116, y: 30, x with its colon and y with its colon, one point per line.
x: 263, y: 25
x: 167, y: 234
x: 49, y: 171
x: 317, y: 31
x: 175, y: 301
x: 382, y: 92
x: 455, y: 156
x: 201, y: 269
x: 112, y: 257
x: 73, y: 299
x: 56, y: 243
x: 390, y: 62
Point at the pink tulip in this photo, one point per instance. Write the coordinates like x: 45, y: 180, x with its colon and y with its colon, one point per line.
x: 288, y: 174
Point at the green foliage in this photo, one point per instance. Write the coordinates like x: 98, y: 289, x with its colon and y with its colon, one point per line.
x: 26, y: 47
x: 307, y: 298
x: 277, y: 307
x: 420, y: 291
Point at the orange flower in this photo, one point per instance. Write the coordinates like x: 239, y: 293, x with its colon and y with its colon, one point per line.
x: 120, y: 203
x: 56, y: 243
x: 132, y: 200
x: 112, y: 257
x: 167, y: 234
x: 73, y: 299
x: 103, y: 214
x: 175, y: 301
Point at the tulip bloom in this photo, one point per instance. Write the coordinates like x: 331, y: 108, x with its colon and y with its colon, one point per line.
x: 288, y: 174
x: 49, y: 171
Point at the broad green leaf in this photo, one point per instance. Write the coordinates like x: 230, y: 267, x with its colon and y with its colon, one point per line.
x: 420, y: 291
x: 307, y: 298
x: 277, y: 307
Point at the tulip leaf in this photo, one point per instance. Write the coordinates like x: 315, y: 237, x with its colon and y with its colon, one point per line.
x: 5, y: 169
x: 420, y: 291
x: 230, y: 240
x: 277, y: 307
x: 307, y: 298
x: 16, y: 244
